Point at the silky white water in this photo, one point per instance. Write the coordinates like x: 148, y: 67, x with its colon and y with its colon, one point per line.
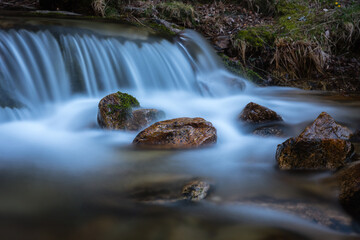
x: 52, y: 78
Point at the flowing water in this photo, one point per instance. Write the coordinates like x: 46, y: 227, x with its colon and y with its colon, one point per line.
x: 64, y: 178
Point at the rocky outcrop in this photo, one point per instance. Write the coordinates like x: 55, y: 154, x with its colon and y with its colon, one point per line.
x: 116, y: 112
x: 255, y: 113
x: 349, y: 184
x: 321, y: 145
x: 179, y: 133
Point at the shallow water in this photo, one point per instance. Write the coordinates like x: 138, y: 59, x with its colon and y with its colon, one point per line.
x: 64, y: 178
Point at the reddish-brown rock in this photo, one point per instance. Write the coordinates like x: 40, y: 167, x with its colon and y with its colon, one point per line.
x: 322, y: 145
x: 325, y: 127
x: 255, y: 113
x: 179, y: 133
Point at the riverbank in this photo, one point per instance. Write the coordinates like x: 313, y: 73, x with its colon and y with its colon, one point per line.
x: 269, y: 42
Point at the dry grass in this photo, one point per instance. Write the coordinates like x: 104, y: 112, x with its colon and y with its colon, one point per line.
x: 99, y: 7
x: 267, y: 7
x: 181, y: 13
x: 299, y: 59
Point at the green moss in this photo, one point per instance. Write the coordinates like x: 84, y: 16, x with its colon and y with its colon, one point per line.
x: 256, y: 37
x: 181, y: 13
x: 290, y: 7
x: 127, y: 102
x: 238, y: 69
x: 161, y: 29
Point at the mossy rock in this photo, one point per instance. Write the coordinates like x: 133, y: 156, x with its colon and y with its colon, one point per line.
x: 115, y: 109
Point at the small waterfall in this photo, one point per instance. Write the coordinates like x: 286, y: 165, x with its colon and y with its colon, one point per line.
x: 55, y: 63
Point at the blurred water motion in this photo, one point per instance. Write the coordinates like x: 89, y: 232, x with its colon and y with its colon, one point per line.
x: 64, y: 178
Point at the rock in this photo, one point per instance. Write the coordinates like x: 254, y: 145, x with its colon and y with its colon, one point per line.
x: 269, y: 131
x: 116, y: 113
x: 299, y: 153
x: 142, y: 118
x: 325, y: 127
x: 255, y: 113
x: 167, y: 189
x: 179, y: 133
x: 349, y: 184
x: 195, y: 190
x: 260, y: 120
x: 322, y: 145
x: 115, y: 109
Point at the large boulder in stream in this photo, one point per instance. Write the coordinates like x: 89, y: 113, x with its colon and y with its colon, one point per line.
x: 178, y: 133
x: 322, y: 145
x: 116, y: 112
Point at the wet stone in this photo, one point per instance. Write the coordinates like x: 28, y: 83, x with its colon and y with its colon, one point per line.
x: 267, y: 131
x: 195, y: 190
x: 118, y: 111
x: 179, y: 133
x: 141, y: 118
x: 319, y: 154
x: 325, y: 127
x: 322, y: 145
x: 255, y: 113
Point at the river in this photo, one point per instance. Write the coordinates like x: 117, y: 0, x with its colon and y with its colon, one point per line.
x: 62, y: 177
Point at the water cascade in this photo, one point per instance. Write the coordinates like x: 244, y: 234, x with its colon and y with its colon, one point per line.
x: 51, y: 149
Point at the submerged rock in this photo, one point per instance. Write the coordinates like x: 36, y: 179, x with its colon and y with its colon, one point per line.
x: 266, y: 131
x: 195, y: 190
x: 179, y: 133
x: 321, y: 145
x: 171, y: 188
x: 349, y: 184
x: 141, y: 118
x: 116, y: 112
x: 255, y: 113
